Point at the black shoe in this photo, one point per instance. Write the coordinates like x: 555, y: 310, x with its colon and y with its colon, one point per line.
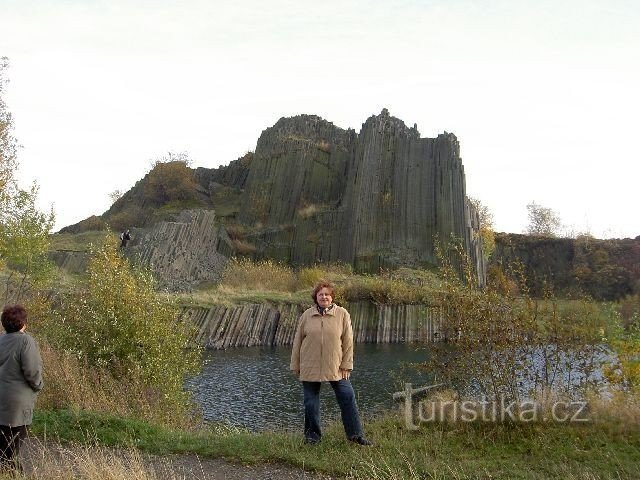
x: 312, y: 441
x: 361, y: 441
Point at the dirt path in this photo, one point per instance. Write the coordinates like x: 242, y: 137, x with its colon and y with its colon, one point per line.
x: 53, y: 461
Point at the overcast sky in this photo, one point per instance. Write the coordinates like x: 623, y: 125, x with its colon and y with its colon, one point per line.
x: 544, y: 96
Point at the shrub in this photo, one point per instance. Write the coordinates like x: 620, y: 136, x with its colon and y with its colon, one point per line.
x: 386, y: 291
x: 263, y: 275
x: 172, y: 180
x: 74, y: 384
x: 308, y: 210
x: 506, y: 346
x: 92, y: 223
x: 120, y: 324
x: 309, y: 276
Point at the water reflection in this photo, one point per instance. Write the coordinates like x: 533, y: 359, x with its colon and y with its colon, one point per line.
x: 253, y: 388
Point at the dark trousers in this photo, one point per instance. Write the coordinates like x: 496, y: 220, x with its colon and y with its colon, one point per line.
x: 346, y: 400
x: 11, y: 439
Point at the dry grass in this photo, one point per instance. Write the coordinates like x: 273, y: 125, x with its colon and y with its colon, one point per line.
x: 54, y: 462
x: 264, y: 275
x: 73, y: 384
x: 621, y: 411
x: 246, y: 281
x: 236, y: 231
x: 243, y: 247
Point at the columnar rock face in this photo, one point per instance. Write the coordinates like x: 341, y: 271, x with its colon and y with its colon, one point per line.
x: 300, y: 163
x: 71, y: 261
x: 316, y: 193
x: 183, y: 253
x: 264, y: 325
x: 404, y: 192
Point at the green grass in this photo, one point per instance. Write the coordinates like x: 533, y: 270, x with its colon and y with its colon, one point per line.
x: 479, y: 450
x: 221, y: 296
x: 245, y: 282
x: 77, y: 242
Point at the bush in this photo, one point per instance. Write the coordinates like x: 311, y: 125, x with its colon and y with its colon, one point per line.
x: 309, y: 276
x: 120, y: 324
x: 508, y: 346
x: 74, y: 384
x: 387, y: 291
x: 263, y: 275
x: 169, y: 181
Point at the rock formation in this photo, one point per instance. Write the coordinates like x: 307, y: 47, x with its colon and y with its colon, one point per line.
x: 265, y: 325
x: 315, y: 193
x: 183, y: 253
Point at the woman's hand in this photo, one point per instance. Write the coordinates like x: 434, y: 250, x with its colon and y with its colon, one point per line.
x: 345, y: 374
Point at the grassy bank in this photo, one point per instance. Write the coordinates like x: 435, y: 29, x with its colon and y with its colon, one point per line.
x: 245, y: 281
x: 601, y: 449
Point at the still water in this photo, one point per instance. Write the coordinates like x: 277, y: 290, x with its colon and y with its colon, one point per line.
x: 253, y: 388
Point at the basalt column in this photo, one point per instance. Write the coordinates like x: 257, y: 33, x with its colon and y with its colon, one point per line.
x: 403, y: 192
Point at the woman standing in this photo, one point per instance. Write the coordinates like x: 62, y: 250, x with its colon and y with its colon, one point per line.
x: 323, y: 352
x: 20, y: 381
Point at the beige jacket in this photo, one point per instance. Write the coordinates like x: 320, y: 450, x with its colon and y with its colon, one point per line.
x: 323, y: 345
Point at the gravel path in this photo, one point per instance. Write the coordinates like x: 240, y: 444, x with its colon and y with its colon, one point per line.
x: 50, y: 460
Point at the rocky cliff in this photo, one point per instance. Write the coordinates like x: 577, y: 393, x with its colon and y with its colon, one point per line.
x: 601, y: 269
x: 182, y: 253
x: 314, y: 193
x: 272, y: 325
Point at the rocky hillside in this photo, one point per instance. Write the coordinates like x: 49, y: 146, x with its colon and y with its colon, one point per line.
x: 601, y: 269
x: 312, y: 192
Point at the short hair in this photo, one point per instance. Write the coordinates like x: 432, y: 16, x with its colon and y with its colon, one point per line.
x: 319, y: 286
x: 13, y: 318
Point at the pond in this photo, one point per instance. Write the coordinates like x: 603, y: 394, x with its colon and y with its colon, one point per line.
x: 253, y: 387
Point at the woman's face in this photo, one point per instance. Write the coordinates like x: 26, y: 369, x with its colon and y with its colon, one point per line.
x: 324, y: 298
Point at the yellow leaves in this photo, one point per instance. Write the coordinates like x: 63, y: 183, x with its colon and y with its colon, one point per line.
x: 121, y: 323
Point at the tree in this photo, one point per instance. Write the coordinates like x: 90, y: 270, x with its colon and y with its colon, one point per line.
x: 115, y: 196
x: 24, y: 230
x: 119, y: 322
x: 486, y: 230
x: 543, y: 221
x: 8, y: 144
x: 24, y: 243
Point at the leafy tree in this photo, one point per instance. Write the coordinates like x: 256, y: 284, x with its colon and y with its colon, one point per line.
x: 24, y: 243
x: 486, y: 230
x: 24, y: 230
x: 542, y: 221
x: 120, y: 323
x: 8, y: 144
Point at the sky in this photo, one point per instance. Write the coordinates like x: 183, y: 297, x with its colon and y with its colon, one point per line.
x: 543, y: 96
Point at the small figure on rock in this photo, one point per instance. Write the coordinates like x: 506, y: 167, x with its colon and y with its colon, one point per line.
x: 124, y: 238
